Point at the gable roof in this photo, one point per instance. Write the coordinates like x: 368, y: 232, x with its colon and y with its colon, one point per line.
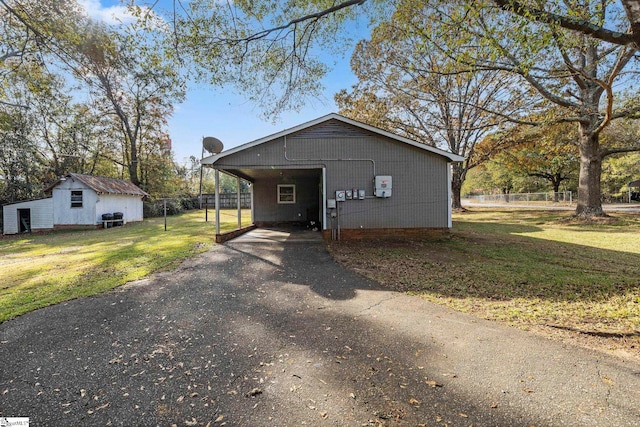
x: 333, y: 116
x: 103, y: 185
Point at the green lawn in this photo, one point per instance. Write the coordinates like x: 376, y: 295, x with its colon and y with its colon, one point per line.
x: 40, y: 270
x: 521, y: 267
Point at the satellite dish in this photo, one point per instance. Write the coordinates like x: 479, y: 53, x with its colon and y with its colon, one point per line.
x: 212, y: 145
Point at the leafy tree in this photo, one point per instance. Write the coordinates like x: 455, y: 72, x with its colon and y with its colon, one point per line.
x: 498, y: 176
x: 406, y: 85
x: 133, y: 85
x: 18, y: 172
x: 19, y: 165
x: 546, y: 152
x: 69, y: 135
x: 33, y: 32
x: 619, y: 170
x: 119, y: 129
x: 579, y: 74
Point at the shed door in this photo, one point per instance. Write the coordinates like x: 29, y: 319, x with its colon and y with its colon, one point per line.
x: 24, y: 220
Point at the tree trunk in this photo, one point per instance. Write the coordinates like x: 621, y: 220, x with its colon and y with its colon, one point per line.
x: 632, y: 8
x: 456, y: 189
x: 589, y: 196
x: 133, y: 167
x: 556, y: 189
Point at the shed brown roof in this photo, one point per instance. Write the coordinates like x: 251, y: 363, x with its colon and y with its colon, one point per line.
x: 104, y: 185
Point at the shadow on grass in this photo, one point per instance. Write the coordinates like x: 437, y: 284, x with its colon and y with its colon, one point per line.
x: 494, y: 262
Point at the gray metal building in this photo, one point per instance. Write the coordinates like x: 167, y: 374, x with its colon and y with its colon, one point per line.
x: 349, y: 177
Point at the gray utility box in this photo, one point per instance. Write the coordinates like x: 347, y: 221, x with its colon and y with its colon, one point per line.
x: 383, y: 185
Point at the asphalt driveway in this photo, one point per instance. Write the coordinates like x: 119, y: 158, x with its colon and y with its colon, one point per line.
x: 267, y: 330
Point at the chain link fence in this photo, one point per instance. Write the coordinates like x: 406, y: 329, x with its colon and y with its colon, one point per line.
x: 563, y: 198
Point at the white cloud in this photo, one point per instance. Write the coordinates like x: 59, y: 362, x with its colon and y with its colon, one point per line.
x: 109, y: 15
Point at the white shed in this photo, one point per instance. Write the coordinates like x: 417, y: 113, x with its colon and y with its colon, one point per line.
x: 31, y: 215
x: 76, y: 201
x: 83, y: 199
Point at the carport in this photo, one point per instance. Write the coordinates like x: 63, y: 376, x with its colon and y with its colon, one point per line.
x: 340, y: 176
x: 280, y: 196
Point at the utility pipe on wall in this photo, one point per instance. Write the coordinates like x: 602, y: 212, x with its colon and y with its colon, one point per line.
x: 373, y: 163
x: 217, y: 198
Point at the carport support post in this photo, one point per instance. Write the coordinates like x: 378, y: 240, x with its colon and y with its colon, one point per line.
x: 239, y: 205
x: 217, y: 196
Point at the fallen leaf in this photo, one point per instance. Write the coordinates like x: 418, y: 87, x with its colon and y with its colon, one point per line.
x: 463, y: 415
x: 528, y: 390
x: 254, y: 392
x: 494, y: 405
x: 83, y: 393
x: 434, y: 384
x: 220, y: 418
x: 180, y: 399
x: 193, y: 422
x: 413, y: 401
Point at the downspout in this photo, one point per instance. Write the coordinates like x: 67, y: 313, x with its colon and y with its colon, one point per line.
x: 449, y: 195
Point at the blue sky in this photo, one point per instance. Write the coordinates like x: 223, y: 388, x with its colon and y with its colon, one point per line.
x: 224, y: 114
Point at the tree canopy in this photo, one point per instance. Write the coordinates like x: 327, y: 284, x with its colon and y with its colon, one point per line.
x: 80, y: 96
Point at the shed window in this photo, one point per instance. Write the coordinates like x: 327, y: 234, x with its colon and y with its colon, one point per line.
x: 286, y: 193
x: 76, y: 199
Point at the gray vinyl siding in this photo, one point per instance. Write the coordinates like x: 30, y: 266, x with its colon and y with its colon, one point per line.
x: 267, y: 208
x: 420, y: 197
